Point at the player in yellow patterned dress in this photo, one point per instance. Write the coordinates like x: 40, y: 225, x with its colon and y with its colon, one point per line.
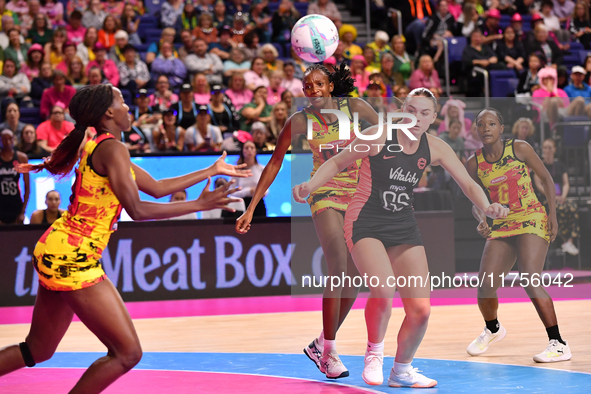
x: 67, y: 255
x: 502, y: 167
x: 324, y: 90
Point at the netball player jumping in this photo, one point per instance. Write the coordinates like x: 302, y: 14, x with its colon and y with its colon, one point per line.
x: 67, y: 255
x: 502, y: 168
x: 328, y: 205
x: 382, y: 233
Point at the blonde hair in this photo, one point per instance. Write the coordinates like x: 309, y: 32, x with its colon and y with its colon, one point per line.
x: 517, y: 124
x: 268, y: 47
x: 274, y: 123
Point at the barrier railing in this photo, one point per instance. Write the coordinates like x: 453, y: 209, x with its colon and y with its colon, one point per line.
x: 482, y: 71
x: 446, y: 57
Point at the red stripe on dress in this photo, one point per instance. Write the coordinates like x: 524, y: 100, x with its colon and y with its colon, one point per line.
x: 360, y: 198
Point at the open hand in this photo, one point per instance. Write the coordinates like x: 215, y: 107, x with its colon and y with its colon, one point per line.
x: 220, y: 167
x: 219, y: 198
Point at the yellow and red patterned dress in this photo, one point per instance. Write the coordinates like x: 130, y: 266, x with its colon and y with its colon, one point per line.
x: 508, y: 182
x: 338, y: 193
x: 67, y: 255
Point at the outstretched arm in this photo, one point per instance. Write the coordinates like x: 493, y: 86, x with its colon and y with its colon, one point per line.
x: 339, y: 162
x: 441, y: 152
x: 112, y: 158
x: 296, y: 124
x: 164, y: 187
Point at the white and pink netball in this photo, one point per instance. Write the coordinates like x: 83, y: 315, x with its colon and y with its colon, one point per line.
x: 314, y: 38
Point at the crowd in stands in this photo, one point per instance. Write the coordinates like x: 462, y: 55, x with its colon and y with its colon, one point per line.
x: 198, y: 74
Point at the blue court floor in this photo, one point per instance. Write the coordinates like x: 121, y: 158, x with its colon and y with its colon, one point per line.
x: 452, y: 376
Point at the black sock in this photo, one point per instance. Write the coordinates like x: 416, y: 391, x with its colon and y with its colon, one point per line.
x: 492, y: 325
x: 553, y: 333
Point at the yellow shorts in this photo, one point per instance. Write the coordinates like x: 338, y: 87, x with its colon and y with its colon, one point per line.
x: 532, y: 223
x: 66, y: 262
x: 330, y: 198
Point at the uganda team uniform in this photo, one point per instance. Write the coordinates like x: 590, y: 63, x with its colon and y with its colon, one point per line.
x: 508, y: 182
x: 382, y: 208
x: 337, y: 193
x: 67, y: 255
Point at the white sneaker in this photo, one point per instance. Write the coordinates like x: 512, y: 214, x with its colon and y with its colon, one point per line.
x: 555, y: 351
x: 332, y: 366
x: 373, y: 372
x: 314, y: 352
x: 411, y: 378
x: 570, y: 248
x: 484, y: 340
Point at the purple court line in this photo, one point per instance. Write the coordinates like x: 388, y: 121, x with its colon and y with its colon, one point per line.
x: 278, y: 304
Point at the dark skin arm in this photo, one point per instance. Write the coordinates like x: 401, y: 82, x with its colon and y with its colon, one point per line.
x: 524, y: 152
x: 22, y: 158
x: 483, y: 228
x: 165, y: 187
x: 296, y: 124
x: 112, y: 158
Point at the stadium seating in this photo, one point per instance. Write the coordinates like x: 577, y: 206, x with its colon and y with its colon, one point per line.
x: 501, y: 82
x: 456, y: 47
x: 575, y: 135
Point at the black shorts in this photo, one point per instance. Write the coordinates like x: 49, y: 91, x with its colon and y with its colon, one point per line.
x: 389, y: 233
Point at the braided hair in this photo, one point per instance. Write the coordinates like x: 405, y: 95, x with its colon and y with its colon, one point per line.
x: 87, y: 107
x: 493, y: 110
x: 341, y: 78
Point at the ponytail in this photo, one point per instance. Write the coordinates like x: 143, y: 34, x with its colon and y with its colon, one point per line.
x: 343, y: 83
x: 63, y: 158
x: 87, y: 107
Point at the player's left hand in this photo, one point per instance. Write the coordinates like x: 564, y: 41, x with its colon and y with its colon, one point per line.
x: 552, y: 227
x: 300, y: 192
x: 220, y: 167
x: 496, y: 211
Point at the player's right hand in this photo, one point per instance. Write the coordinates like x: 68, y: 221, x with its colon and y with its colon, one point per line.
x: 219, y: 198
x: 300, y: 192
x: 243, y: 222
x: 483, y: 229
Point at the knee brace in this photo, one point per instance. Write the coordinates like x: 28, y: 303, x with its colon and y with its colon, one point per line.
x: 27, y: 356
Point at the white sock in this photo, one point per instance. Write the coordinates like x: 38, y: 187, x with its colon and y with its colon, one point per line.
x: 400, y: 368
x: 330, y: 346
x: 320, y: 339
x: 374, y: 347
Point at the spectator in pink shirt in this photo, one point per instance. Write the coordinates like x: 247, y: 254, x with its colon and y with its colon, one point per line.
x: 51, y: 132
x: 108, y: 67
x: 289, y: 82
x: 274, y: 89
x: 69, y: 50
x: 163, y: 97
x: 426, y: 77
x: 75, y: 29
x: 59, y: 92
x: 202, y: 89
x: 359, y: 73
x: 54, y: 11
x: 256, y: 76
x: 555, y: 101
x: 237, y: 92
x: 32, y: 66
